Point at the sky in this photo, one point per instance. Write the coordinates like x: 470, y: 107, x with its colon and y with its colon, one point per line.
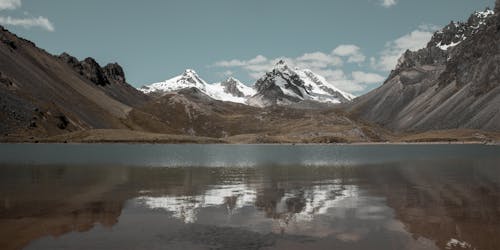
x: 353, y: 43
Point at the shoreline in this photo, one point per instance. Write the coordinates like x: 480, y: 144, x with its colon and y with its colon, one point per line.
x: 256, y: 144
x: 112, y: 136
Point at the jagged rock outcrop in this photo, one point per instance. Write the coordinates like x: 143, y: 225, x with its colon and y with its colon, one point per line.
x: 90, y: 69
x: 114, y: 73
x: 111, y: 78
x: 93, y: 71
x: 452, y: 83
x: 442, y: 43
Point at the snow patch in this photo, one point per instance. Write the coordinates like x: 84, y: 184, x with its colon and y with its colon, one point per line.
x: 447, y: 46
x: 484, y: 14
x: 454, y: 243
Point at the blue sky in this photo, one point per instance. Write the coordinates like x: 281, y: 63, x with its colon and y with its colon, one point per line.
x: 353, y: 43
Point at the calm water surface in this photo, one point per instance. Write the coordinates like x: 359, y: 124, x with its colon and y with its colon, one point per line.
x: 249, y: 197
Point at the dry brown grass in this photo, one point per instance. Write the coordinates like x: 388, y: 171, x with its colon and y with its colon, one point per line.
x: 452, y: 135
x: 125, y: 136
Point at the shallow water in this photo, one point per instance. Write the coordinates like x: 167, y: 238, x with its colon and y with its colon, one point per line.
x: 249, y: 197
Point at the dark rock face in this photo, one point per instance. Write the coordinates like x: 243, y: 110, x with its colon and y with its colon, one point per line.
x: 63, y: 122
x: 281, y: 71
x: 452, y: 83
x: 71, y: 60
x: 286, y: 86
x: 497, y: 12
x: 231, y: 87
x: 114, y: 73
x: 443, y: 43
x: 93, y: 71
x: 268, y: 91
x: 90, y: 69
x: 6, y: 81
x: 110, y: 79
x: 456, y: 32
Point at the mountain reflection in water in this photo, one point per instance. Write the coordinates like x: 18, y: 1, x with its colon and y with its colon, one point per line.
x: 439, y: 204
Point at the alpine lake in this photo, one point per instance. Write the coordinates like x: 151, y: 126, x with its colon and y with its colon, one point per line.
x: 146, y: 196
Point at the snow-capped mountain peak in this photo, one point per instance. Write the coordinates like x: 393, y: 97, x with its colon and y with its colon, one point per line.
x: 191, y: 79
x: 188, y: 79
x: 230, y: 90
x: 281, y: 85
x: 281, y: 65
x: 456, y: 32
x: 284, y: 85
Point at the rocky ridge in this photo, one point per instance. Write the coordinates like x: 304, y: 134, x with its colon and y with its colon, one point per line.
x: 110, y: 78
x: 453, y: 83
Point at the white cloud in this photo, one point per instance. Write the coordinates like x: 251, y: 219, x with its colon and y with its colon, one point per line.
x: 363, y: 77
x: 226, y: 73
x: 255, y: 75
x: 393, y: 50
x: 319, y: 60
x: 355, y: 82
x: 258, y: 59
x: 389, y: 3
x: 345, y: 50
x: 324, y: 64
x: 239, y: 63
x: 352, y: 52
x: 256, y: 67
x: 26, y: 22
x: 41, y: 22
x: 232, y: 63
x: 10, y: 4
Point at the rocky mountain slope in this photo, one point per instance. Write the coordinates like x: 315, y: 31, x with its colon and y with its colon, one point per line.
x: 452, y: 83
x: 110, y: 79
x: 230, y: 90
x: 41, y: 94
x: 284, y: 85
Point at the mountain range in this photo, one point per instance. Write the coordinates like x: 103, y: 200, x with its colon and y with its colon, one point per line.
x: 230, y: 90
x: 281, y: 85
x: 447, y: 91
